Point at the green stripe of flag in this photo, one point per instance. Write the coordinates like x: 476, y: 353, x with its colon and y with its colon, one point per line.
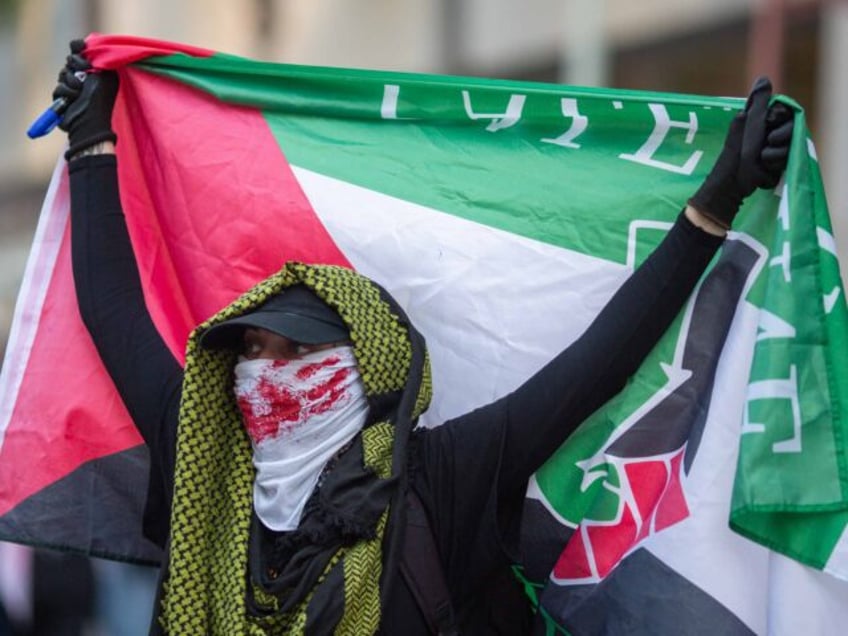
x: 393, y: 132
x: 792, y: 481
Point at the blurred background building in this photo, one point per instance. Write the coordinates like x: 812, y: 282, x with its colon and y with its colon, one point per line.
x: 713, y: 47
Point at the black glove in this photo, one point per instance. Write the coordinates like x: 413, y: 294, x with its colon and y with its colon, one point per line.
x: 90, y: 96
x: 754, y: 156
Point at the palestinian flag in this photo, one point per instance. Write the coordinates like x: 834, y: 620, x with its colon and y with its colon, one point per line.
x: 711, y: 496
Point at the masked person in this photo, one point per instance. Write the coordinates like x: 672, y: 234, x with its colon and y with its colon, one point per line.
x: 289, y: 486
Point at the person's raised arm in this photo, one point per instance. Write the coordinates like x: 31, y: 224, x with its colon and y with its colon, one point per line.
x: 583, y: 377
x: 534, y: 420
x: 106, y: 276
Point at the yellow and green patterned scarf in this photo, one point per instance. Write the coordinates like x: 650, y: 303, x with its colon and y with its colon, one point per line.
x: 207, y: 582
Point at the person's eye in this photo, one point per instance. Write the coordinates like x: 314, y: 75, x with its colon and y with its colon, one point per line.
x: 302, y: 349
x: 252, y: 348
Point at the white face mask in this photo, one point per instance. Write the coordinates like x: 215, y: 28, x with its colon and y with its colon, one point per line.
x: 298, y: 413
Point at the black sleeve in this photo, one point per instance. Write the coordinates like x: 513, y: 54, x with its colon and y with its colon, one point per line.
x: 476, y: 466
x: 112, y: 306
x: 545, y: 410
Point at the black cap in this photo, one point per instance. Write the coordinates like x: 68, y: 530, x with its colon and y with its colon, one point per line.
x: 296, y: 313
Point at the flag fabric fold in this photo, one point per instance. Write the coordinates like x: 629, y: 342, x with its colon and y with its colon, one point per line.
x: 485, y: 207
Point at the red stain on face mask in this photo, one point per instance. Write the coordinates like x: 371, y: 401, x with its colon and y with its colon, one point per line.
x: 267, y: 411
x: 311, y: 369
x: 324, y: 396
x: 274, y: 409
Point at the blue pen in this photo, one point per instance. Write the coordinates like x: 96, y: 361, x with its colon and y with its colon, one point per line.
x: 48, y: 120
x: 51, y: 117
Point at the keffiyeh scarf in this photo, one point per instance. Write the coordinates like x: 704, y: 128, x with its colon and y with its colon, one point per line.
x: 337, y: 583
